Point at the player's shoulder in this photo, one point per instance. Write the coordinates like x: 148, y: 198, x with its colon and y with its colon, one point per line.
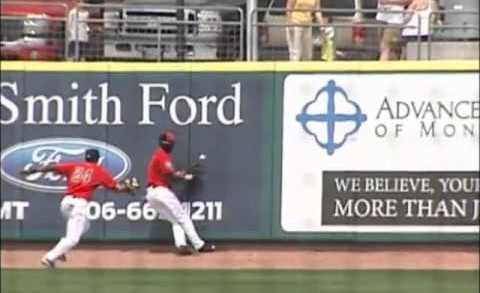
x: 101, y: 171
x: 94, y: 166
x: 65, y: 164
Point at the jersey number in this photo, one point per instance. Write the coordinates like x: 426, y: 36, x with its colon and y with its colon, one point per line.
x: 82, y: 175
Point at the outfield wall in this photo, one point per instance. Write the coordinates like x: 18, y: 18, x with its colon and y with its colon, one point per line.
x: 356, y: 151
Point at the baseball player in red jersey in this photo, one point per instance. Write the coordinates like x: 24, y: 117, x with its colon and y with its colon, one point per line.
x: 160, y: 197
x: 83, y: 178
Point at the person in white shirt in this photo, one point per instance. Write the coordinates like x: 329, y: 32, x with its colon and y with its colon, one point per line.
x: 77, y: 32
x: 421, y: 15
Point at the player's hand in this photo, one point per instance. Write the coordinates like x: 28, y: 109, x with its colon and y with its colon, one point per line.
x: 180, y: 173
x: 184, y: 175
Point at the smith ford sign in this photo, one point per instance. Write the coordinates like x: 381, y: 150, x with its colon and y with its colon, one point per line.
x: 55, y: 150
x: 155, y: 98
x: 129, y: 110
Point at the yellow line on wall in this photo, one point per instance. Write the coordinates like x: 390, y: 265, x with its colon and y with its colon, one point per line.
x: 338, y: 66
x: 390, y: 66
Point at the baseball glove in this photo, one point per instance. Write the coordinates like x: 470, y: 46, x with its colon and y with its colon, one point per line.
x: 131, y: 183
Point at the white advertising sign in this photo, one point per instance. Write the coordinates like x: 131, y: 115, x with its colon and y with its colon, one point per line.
x: 394, y: 152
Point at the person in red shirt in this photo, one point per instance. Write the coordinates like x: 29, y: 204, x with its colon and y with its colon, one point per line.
x: 160, y: 173
x: 83, y: 178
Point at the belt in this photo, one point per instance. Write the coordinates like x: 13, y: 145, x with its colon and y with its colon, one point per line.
x: 156, y: 185
x: 76, y: 196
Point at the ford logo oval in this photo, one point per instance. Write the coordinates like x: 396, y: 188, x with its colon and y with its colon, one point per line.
x: 54, y: 150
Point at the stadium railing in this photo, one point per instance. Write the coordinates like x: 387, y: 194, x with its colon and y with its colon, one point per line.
x: 36, y: 31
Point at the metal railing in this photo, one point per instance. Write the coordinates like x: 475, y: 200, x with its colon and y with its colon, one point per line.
x: 262, y: 45
x: 33, y: 36
x: 153, y: 33
x: 115, y: 45
x: 167, y: 32
x: 345, y: 38
x: 441, y: 30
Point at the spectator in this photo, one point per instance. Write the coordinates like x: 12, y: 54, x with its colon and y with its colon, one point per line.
x: 419, y: 4
x: 421, y: 10
x: 77, y: 32
x: 391, y: 12
x: 299, y: 33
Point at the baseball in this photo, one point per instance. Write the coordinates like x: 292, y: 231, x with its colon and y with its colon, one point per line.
x: 202, y: 157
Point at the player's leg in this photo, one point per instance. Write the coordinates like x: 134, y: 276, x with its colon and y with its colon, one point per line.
x: 180, y: 215
x: 179, y: 237
x: 180, y: 240
x: 66, y: 207
x: 66, y: 210
x: 176, y: 215
x: 168, y: 205
x: 161, y: 200
x: 74, y: 232
x: 77, y: 225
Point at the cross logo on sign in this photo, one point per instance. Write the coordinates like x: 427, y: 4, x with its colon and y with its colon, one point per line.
x: 337, y: 112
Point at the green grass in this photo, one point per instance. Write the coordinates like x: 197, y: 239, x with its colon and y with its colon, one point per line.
x: 236, y: 281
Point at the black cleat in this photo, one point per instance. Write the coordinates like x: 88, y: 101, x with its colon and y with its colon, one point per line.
x: 207, y: 248
x: 62, y: 258
x: 184, y: 250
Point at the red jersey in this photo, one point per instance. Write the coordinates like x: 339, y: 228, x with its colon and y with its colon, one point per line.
x: 160, y: 169
x: 84, y: 177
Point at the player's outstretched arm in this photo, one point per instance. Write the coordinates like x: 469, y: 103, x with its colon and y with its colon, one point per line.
x: 37, y: 169
x: 174, y: 173
x: 182, y: 174
x: 177, y: 174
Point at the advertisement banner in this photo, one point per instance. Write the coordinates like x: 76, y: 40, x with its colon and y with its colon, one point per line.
x: 396, y: 152
x: 50, y: 117
x: 341, y: 151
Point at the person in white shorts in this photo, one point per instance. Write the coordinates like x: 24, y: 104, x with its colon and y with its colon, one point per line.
x: 391, y: 12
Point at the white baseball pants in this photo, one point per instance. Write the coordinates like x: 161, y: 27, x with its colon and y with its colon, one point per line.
x: 167, y: 205
x: 74, y: 210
